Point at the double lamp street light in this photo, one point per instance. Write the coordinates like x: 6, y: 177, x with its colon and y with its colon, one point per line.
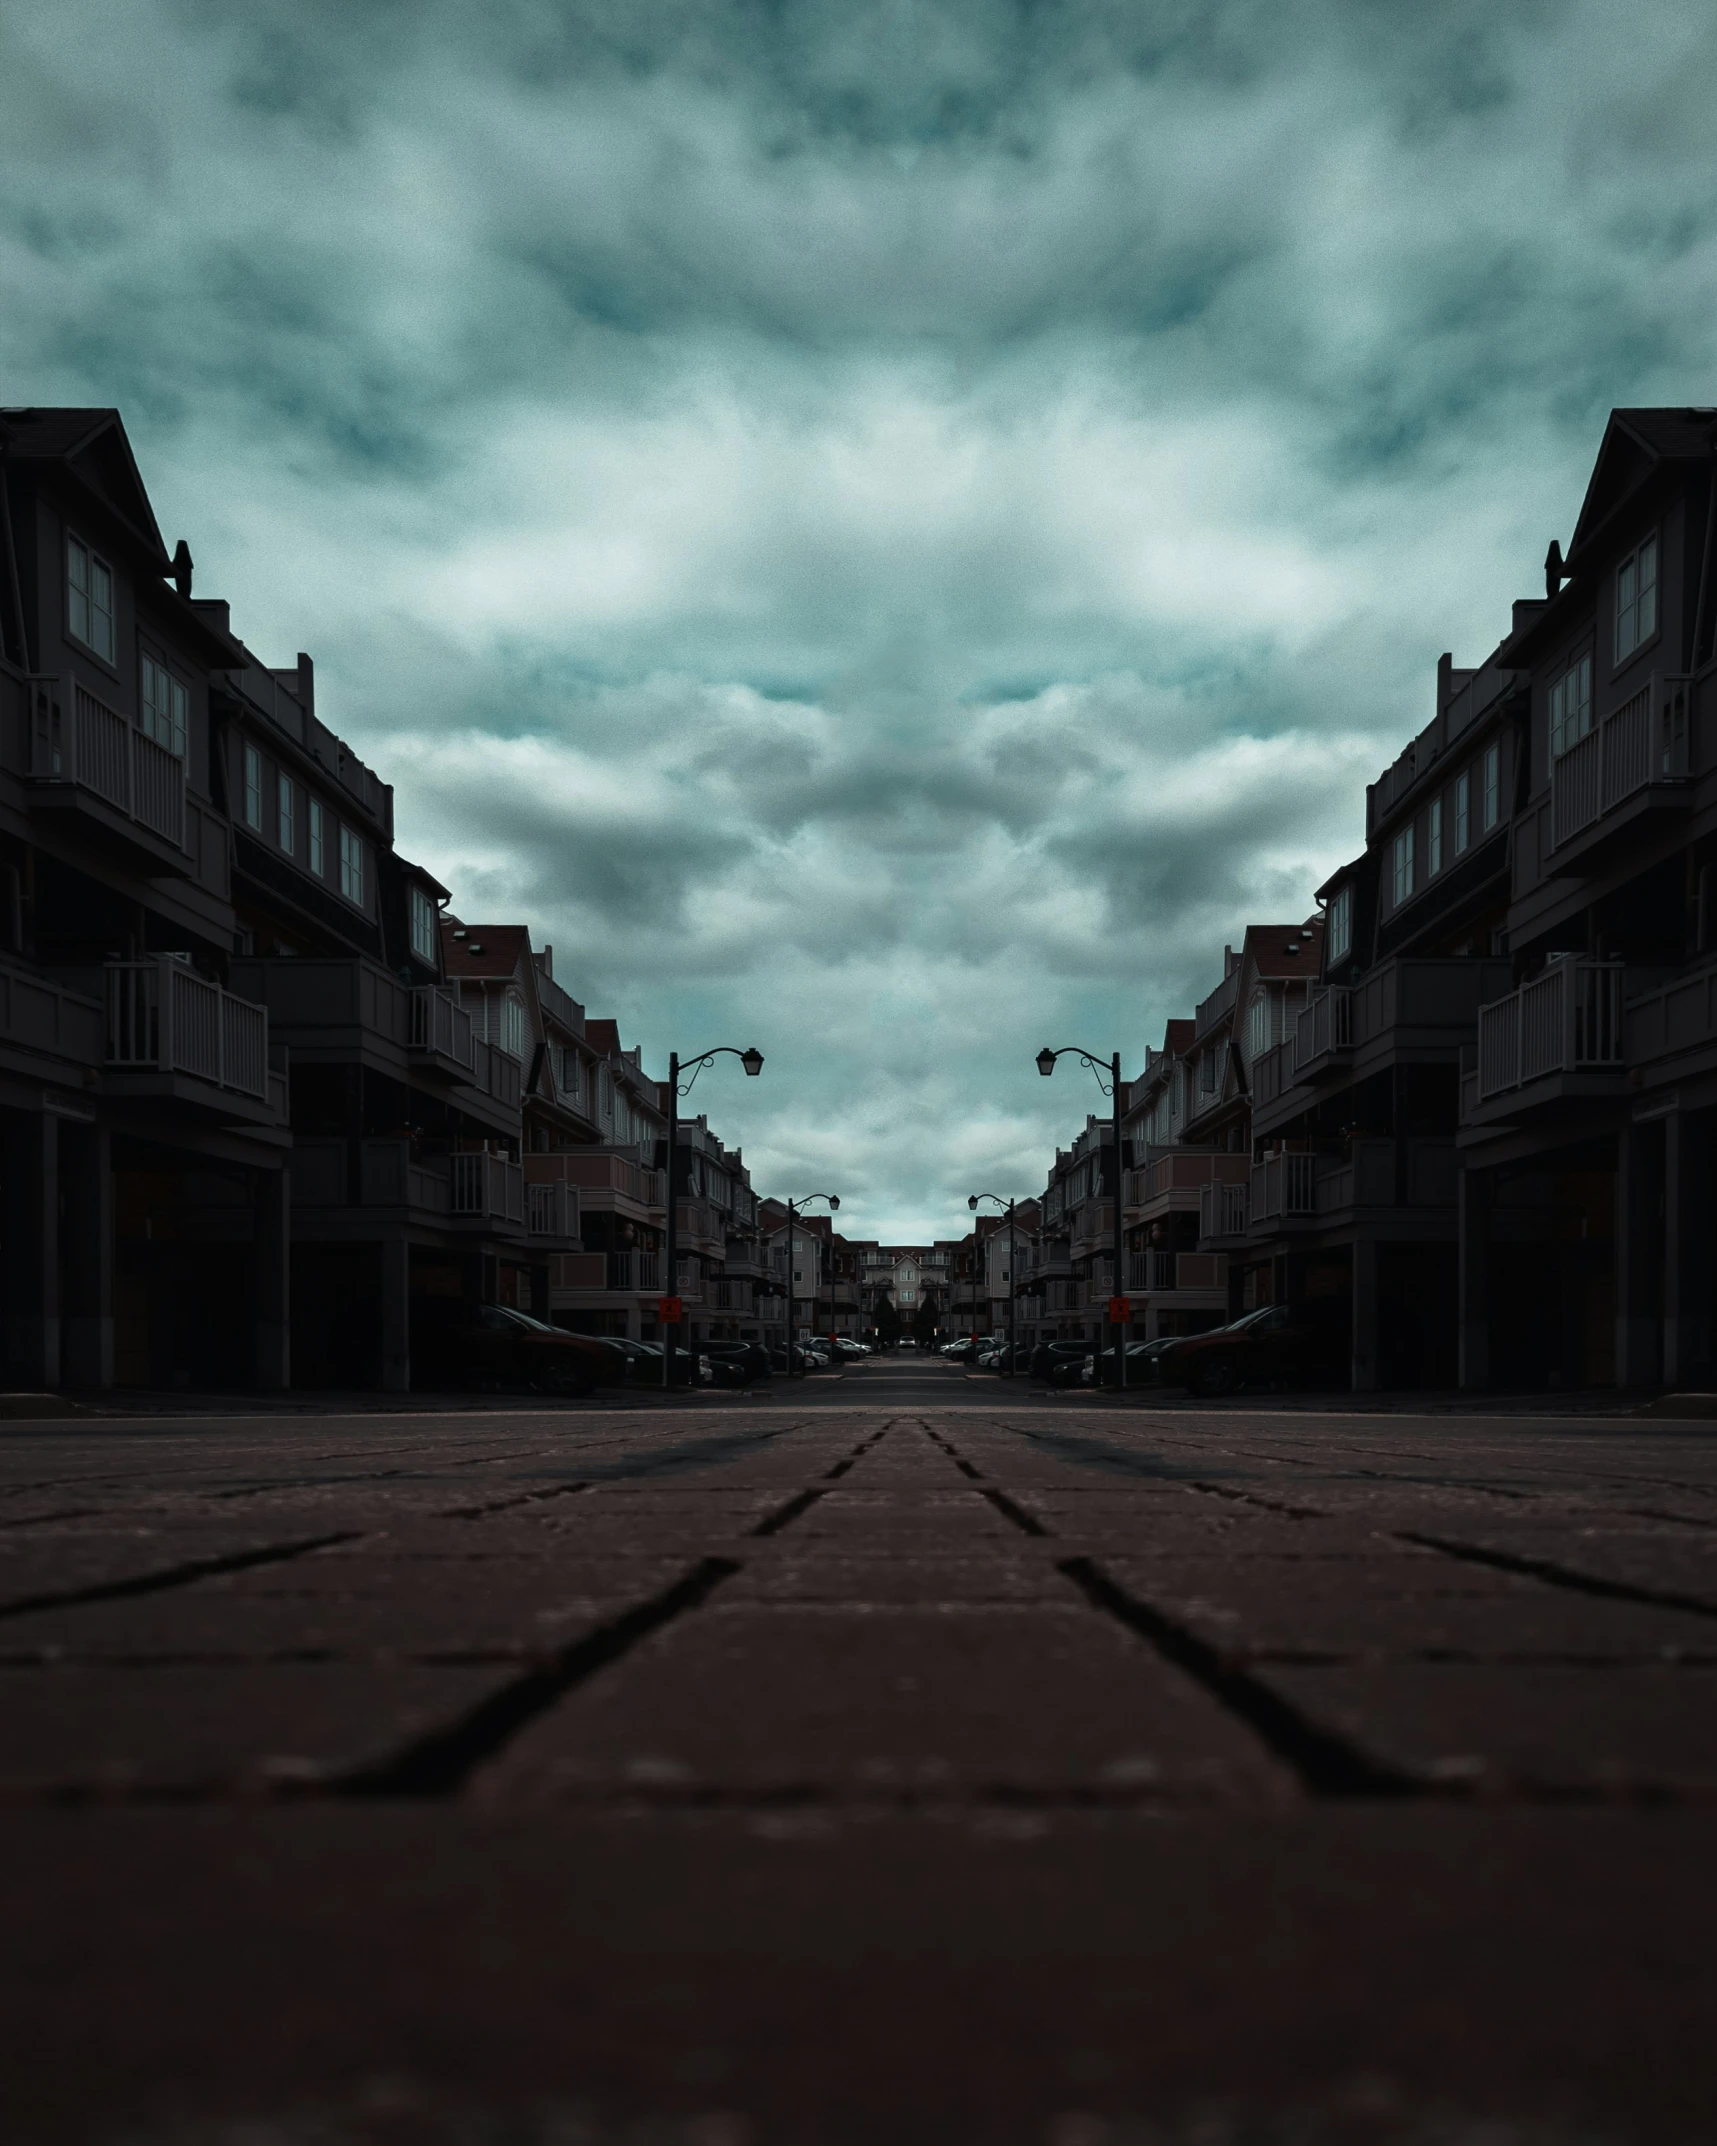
x: 1119, y: 1309
x: 793, y: 1208
x: 1013, y: 1263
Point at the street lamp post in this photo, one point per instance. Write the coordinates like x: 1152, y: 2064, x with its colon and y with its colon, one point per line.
x: 793, y: 1207
x: 752, y: 1060
x: 1013, y: 1261
x: 1112, y: 1067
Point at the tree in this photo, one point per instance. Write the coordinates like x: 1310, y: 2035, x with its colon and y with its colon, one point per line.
x: 887, y: 1320
x: 925, y: 1322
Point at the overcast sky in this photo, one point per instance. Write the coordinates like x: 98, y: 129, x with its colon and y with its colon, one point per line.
x: 889, y: 531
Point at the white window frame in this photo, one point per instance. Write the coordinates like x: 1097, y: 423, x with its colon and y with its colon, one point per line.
x: 89, y: 600
x: 165, y: 706
x: 252, y: 787
x: 1340, y: 924
x: 1570, y: 710
x: 352, y: 865
x: 1403, y: 866
x: 422, y: 924
x: 316, y: 836
x: 1492, y: 786
x: 1434, y: 839
x: 1463, y: 810
x: 1636, y: 598
x: 286, y: 812
x: 513, y: 1025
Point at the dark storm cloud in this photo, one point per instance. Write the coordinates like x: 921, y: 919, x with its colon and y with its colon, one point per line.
x: 894, y: 529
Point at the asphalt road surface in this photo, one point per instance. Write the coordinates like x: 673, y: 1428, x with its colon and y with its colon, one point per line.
x: 892, y: 1759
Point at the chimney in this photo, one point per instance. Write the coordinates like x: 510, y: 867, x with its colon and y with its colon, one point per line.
x: 306, y: 683
x: 546, y: 963
x: 1445, y: 664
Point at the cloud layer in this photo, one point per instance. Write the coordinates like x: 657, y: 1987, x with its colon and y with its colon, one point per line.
x: 891, y: 531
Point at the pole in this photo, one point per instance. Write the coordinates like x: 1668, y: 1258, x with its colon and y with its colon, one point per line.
x: 670, y: 1279
x: 1013, y: 1278
x: 789, y: 1288
x: 1120, y: 1234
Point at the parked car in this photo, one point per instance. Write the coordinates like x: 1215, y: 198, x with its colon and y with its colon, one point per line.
x: 1099, y: 1369
x: 502, y: 1347
x: 1049, y: 1354
x: 738, y: 1363
x: 1280, y: 1344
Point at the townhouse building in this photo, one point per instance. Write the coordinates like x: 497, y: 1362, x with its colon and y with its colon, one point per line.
x: 1174, y: 1284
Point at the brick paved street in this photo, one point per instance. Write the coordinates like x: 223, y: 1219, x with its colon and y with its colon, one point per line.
x: 900, y: 1757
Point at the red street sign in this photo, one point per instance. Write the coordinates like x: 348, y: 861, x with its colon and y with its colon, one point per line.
x: 1120, y: 1311
x: 668, y: 1310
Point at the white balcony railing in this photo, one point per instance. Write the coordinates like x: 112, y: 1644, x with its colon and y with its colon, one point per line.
x: 440, y: 1027
x: 99, y: 751
x: 1284, y: 1185
x: 163, y: 1017
x: 1223, y: 1210
x: 1567, y: 1020
x: 1326, y: 1025
x: 488, y: 1187
x: 1643, y: 741
x: 553, y: 1209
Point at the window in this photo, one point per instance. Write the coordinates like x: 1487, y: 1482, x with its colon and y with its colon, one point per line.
x: 316, y: 836
x: 1463, y: 810
x: 1434, y: 839
x: 165, y: 706
x: 422, y: 925
x: 571, y: 1082
x: 1341, y: 924
x: 1403, y: 865
x: 252, y: 787
x: 1570, y: 710
x: 89, y: 597
x: 1493, y: 782
x: 1636, y: 599
x: 288, y: 815
x: 514, y: 1032
x: 352, y: 866
x: 1258, y: 1026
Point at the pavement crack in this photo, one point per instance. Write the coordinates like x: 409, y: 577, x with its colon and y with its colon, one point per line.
x: 193, y: 1569
x: 784, y: 1515
x: 1251, y: 1497
x: 1326, y: 1765
x: 523, y: 1497
x: 441, y: 1763
x: 1559, y: 1575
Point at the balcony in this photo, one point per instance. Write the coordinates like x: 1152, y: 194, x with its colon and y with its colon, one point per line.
x: 486, y: 1189
x: 1663, y: 1026
x: 606, y: 1182
x: 1283, y: 1186
x: 45, y: 1018
x: 1222, y: 1213
x: 1093, y: 1226
x: 1323, y: 1035
x: 440, y: 1032
x: 340, y: 1010
x: 1636, y: 758
x: 391, y: 1173
x: 1166, y: 1273
x: 1174, y: 1180
x: 173, y: 1034
x: 85, y: 757
x: 1567, y: 1021
x: 551, y: 1210
x: 636, y: 1272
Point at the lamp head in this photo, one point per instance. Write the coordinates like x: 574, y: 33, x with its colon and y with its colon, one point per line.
x: 973, y: 1201
x: 834, y: 1201
x: 1046, y: 1061
x: 752, y: 1061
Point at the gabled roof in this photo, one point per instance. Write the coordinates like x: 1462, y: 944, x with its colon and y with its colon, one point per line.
x: 1177, y: 1037
x: 1276, y: 951
x: 93, y: 445
x: 603, y: 1037
x: 1635, y: 443
x: 487, y: 952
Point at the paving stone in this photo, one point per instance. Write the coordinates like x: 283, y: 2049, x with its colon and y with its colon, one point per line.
x: 1624, y: 1729
x: 830, y: 1575
x: 848, y: 1701
x: 95, y: 1731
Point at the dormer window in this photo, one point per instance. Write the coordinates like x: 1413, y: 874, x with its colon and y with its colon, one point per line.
x: 1636, y: 599
x: 1570, y: 710
x: 352, y: 866
x: 1403, y: 862
x: 1340, y: 925
x: 422, y: 926
x: 287, y: 794
x: 89, y: 598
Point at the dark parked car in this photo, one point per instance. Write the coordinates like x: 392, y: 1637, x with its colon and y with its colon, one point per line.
x: 1050, y: 1356
x: 503, y: 1347
x: 1141, y: 1364
x: 1279, y: 1345
x: 738, y: 1363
